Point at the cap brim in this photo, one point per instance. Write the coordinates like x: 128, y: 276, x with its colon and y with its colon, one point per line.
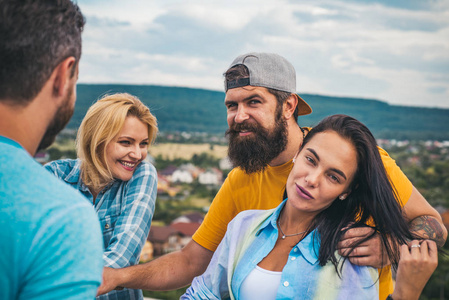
x: 303, y: 107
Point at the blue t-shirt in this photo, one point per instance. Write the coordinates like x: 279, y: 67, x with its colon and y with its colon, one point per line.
x: 50, y: 238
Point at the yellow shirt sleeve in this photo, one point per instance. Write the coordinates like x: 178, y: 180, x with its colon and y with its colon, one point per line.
x: 221, y: 212
x: 401, y: 184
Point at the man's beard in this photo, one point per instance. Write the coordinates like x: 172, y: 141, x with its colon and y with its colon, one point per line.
x: 253, y: 153
x: 61, y: 118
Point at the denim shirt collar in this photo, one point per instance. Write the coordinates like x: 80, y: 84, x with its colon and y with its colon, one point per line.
x: 308, y: 246
x: 74, y: 177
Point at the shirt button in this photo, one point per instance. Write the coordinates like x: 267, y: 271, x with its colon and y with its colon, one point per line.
x: 106, y: 226
x: 293, y: 258
x: 295, y: 250
x: 286, y: 283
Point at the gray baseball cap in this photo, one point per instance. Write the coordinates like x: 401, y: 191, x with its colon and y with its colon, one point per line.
x: 268, y: 70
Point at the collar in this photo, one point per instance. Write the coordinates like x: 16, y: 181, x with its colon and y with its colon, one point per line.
x: 8, y: 141
x: 74, y: 178
x: 74, y: 175
x: 308, y: 246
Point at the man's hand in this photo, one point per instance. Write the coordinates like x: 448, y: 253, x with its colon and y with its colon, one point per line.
x: 368, y: 253
x: 109, y: 281
x: 416, y: 265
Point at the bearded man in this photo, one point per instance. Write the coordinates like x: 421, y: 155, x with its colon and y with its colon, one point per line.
x: 264, y: 136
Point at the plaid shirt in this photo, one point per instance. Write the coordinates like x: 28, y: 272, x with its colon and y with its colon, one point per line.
x: 125, y: 210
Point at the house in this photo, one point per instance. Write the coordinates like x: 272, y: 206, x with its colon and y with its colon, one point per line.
x: 212, y: 176
x: 181, y: 176
x: 225, y: 163
x: 194, y: 217
x: 165, y: 189
x: 165, y: 239
x: 187, y: 230
x: 191, y: 168
x: 167, y: 172
x: 163, y: 184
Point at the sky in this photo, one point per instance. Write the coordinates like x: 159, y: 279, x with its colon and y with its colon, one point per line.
x: 393, y: 51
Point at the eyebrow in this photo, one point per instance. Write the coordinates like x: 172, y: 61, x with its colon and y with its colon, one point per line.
x: 250, y: 97
x: 332, y: 169
x: 130, y: 138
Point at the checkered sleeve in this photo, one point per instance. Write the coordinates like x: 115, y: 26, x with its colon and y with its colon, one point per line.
x: 133, y: 224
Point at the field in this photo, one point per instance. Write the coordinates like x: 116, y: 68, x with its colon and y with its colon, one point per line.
x: 167, y: 150
x: 186, y: 151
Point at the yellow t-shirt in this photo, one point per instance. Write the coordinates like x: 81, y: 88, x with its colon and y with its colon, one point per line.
x: 264, y: 190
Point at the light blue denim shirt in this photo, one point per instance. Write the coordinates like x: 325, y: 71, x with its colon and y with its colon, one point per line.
x: 250, y: 236
x: 125, y: 210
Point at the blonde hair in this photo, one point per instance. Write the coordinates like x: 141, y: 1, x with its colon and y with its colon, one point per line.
x: 103, y: 121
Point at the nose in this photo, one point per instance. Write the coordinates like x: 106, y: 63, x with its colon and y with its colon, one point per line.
x: 312, y: 179
x: 241, y: 115
x: 136, y: 153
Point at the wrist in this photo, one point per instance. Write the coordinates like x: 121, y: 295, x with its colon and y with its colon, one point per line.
x: 398, y: 295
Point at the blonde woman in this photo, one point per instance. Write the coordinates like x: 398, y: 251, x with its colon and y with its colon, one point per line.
x: 112, y: 144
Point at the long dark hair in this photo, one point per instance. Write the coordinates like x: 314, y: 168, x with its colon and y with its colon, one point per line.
x: 372, y: 199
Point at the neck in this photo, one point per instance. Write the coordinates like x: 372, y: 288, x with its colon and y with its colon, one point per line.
x: 27, y: 124
x: 295, y: 138
x: 19, y: 124
x: 293, y: 221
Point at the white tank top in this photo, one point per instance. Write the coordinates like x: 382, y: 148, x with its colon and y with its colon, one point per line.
x: 260, y: 284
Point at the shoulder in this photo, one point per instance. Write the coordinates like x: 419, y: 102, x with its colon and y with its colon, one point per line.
x: 62, y: 166
x: 145, y: 175
x: 238, y: 177
x: 144, y: 169
x: 250, y: 217
x: 142, y: 183
x: 34, y: 195
x: 386, y: 158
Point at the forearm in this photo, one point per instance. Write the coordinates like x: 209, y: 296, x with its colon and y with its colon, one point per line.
x: 429, y: 227
x: 171, y: 271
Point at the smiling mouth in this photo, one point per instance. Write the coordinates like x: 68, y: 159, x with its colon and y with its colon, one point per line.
x: 244, y: 132
x: 128, y: 165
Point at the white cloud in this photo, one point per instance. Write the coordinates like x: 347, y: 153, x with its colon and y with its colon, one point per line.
x: 346, y: 48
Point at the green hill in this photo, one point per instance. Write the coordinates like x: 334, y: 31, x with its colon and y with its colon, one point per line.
x: 187, y: 109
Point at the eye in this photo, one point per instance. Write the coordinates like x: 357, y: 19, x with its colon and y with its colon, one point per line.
x: 144, y: 144
x: 254, y: 102
x: 231, y: 105
x: 310, y: 160
x: 334, y: 178
x: 124, y: 143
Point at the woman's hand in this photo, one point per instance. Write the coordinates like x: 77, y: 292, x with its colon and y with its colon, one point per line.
x: 416, y: 265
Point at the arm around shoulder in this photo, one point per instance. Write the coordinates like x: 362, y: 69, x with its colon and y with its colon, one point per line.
x: 424, y: 220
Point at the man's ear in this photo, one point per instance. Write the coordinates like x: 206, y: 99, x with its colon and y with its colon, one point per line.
x: 289, y: 106
x: 62, y: 75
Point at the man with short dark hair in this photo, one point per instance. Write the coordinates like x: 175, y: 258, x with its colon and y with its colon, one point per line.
x: 264, y: 136
x: 51, y: 244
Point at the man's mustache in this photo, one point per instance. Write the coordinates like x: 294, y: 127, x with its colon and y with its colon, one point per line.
x: 237, y: 127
